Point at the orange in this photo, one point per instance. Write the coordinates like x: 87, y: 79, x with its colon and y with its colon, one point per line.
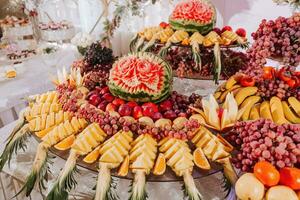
x: 266, y: 173
x: 185, y: 41
x: 123, y: 170
x: 160, y: 165
x: 66, y: 143
x: 44, y: 132
x: 228, y: 146
x: 200, y: 159
x: 92, y: 156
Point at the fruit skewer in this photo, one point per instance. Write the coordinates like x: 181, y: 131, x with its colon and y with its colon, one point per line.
x: 216, y: 150
x: 178, y: 156
x: 59, y: 134
x: 20, y: 133
x: 142, y: 157
x: 91, y: 137
x: 113, y: 152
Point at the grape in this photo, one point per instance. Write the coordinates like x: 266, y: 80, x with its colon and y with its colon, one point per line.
x: 274, y: 143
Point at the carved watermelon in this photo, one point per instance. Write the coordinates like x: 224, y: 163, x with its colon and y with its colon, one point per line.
x: 141, y: 77
x: 194, y: 16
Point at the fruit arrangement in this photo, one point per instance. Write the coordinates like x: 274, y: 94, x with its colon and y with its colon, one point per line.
x: 191, y: 25
x: 279, y: 185
x: 274, y: 97
x: 116, y: 128
x: 277, y: 39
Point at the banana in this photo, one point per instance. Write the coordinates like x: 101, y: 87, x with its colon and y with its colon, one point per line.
x: 254, y: 113
x: 224, y: 94
x: 289, y: 114
x: 230, y: 82
x: 295, y: 104
x: 244, y: 93
x: 265, y: 110
x: 248, y: 104
x: 277, y: 111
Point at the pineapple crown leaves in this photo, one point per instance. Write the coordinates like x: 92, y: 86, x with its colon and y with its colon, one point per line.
x: 225, y: 184
x: 40, y: 176
x: 111, y: 193
x: 61, y: 188
x: 188, y: 194
x: 16, y: 142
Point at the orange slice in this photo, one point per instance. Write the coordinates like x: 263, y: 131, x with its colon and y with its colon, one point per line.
x: 65, y: 143
x: 185, y: 42
x: 92, y: 156
x: 228, y: 146
x: 200, y: 159
x: 44, y: 132
x: 160, y: 165
x: 123, y: 170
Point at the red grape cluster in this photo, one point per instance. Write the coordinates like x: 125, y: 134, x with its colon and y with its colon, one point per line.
x: 95, y: 78
x: 181, y: 60
x: 263, y: 140
x: 270, y: 88
x: 277, y: 39
x: 68, y: 96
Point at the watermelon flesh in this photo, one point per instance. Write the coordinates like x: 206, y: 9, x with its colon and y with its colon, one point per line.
x: 140, y: 77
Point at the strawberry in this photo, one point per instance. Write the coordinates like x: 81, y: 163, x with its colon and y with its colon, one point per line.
x: 241, y: 32
x: 226, y: 28
x: 137, y: 112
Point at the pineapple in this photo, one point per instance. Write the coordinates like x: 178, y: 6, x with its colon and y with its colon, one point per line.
x: 195, y: 40
x: 113, y: 152
x: 142, y: 157
x: 180, y: 159
x: 230, y: 37
x: 41, y: 108
x: 48, y: 97
x: 177, y: 37
x: 90, y: 138
x: 57, y: 134
x: 215, y: 150
x: 162, y: 35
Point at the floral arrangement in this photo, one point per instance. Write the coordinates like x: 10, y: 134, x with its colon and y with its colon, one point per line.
x: 82, y: 41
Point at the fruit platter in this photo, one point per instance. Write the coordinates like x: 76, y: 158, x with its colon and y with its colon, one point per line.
x: 192, y: 44
x: 121, y: 117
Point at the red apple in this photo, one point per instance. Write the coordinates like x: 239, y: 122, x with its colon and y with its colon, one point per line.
x: 157, y: 116
x: 103, y: 105
x: 170, y: 114
x: 108, y: 97
x: 165, y: 105
x: 92, y: 93
x: 111, y: 107
x: 137, y: 112
x: 118, y: 102
x: 149, y: 109
x: 132, y: 104
x: 104, y: 90
x: 94, y: 99
x: 241, y: 32
x: 226, y: 28
x: 124, y: 110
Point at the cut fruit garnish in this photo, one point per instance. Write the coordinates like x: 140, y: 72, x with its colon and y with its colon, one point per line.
x: 66, y: 143
x: 123, y: 170
x: 160, y: 165
x: 93, y: 156
x: 200, y: 159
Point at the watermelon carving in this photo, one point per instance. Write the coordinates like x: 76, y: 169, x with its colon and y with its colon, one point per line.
x: 141, y: 77
x: 194, y: 16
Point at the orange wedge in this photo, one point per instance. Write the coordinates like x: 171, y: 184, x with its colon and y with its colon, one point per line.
x: 160, y: 165
x: 200, y: 159
x: 228, y: 146
x: 44, y: 132
x: 66, y: 143
x: 123, y: 170
x: 92, y: 156
x: 185, y: 42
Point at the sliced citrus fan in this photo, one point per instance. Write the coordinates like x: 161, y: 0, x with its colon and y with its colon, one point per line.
x: 160, y: 165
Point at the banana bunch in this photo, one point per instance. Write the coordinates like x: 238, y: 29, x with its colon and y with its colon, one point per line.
x: 178, y: 156
x: 275, y: 109
x: 142, y: 157
x: 113, y: 152
x: 86, y: 141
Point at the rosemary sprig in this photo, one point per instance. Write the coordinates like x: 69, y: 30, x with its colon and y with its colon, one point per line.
x: 16, y: 142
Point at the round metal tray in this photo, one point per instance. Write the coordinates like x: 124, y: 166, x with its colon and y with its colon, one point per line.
x: 168, y: 176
